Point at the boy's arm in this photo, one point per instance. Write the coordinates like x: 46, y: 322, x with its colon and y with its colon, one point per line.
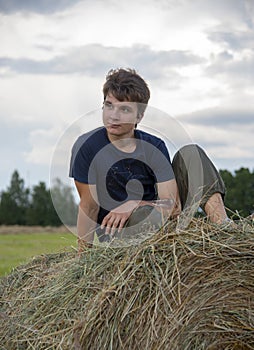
x: 87, y: 214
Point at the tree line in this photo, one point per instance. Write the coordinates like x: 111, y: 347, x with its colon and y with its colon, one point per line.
x: 20, y: 205
x: 239, y: 197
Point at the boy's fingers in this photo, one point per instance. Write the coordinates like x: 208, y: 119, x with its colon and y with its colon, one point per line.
x: 110, y: 224
x: 122, y: 223
x: 113, y: 222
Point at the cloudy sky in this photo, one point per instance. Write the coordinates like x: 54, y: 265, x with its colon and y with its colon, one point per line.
x: 196, y: 55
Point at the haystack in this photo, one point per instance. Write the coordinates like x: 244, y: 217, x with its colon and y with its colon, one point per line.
x: 178, y: 290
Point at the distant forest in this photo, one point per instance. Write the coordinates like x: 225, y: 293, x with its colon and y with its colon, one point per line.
x: 20, y: 205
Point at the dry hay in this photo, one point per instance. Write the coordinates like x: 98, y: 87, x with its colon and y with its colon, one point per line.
x: 179, y: 291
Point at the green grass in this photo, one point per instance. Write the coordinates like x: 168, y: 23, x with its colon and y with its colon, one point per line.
x: 16, y: 249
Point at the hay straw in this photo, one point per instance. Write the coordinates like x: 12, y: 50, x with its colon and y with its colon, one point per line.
x: 182, y: 291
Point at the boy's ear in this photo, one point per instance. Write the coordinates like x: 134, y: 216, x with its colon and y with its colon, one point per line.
x: 139, y: 117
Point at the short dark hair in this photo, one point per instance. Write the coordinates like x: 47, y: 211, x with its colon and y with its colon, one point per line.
x: 126, y: 85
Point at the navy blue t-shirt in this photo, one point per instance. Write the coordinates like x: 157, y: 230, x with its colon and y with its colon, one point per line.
x: 120, y: 176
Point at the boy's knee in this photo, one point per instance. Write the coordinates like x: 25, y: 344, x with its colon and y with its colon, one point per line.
x: 189, y: 149
x: 188, y: 152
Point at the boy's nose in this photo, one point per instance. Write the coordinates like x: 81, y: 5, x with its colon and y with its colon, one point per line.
x: 115, y: 114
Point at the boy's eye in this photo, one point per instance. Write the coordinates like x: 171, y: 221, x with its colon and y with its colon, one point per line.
x: 126, y: 109
x: 108, y: 105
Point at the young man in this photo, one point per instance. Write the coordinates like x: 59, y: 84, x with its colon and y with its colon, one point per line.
x: 124, y: 175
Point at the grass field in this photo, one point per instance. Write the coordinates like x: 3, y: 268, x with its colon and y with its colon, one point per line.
x: 16, y: 249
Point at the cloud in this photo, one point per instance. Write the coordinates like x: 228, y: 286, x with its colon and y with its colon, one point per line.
x: 14, y: 142
x: 7, y: 145
x: 227, y: 12
x: 235, y: 70
x: 221, y: 117
x: 234, y: 40
x: 42, y: 142
x: 225, y: 143
x: 41, y: 6
x: 96, y: 60
x: 225, y: 132
x: 197, y: 56
x: 48, y: 100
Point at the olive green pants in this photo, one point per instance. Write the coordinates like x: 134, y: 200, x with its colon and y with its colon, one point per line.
x: 196, y: 176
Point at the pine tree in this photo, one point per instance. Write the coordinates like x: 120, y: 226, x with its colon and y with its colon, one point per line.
x: 14, y: 202
x: 41, y: 211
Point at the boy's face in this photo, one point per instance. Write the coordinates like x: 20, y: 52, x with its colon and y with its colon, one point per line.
x: 120, y: 117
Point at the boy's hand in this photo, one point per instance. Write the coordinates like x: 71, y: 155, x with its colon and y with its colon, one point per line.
x: 116, y: 218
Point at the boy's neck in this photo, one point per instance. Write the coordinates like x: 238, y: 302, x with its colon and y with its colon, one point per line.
x: 125, y: 144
